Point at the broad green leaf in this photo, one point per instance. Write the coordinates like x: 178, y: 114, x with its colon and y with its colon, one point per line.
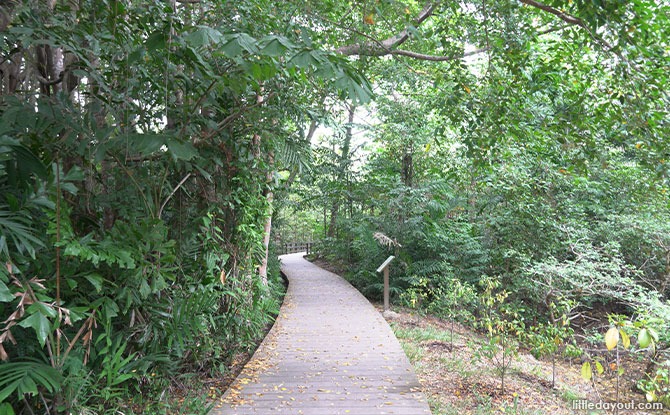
x: 40, y: 324
x: 599, y: 368
x: 625, y: 339
x: 644, y: 338
x: 182, y: 151
x: 156, y: 41
x: 586, y: 371
x: 96, y: 280
x: 75, y: 174
x: 239, y: 43
x: 145, y: 144
x: 198, y: 59
x: 7, y: 142
x: 304, y: 59
x: 232, y: 48
x: 204, y: 36
x: 144, y: 289
x: 45, y: 309
x: 248, y: 43
x: 6, y: 409
x: 612, y: 338
x: 272, y: 46
x: 109, y: 308
x: 5, y: 295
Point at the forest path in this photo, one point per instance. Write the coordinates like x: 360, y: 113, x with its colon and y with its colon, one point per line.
x: 330, y: 352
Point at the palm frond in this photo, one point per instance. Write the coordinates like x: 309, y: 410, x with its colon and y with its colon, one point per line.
x: 17, y: 232
x: 294, y: 154
x: 26, y: 377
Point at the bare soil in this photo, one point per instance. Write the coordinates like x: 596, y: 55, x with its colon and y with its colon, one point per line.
x: 456, y: 383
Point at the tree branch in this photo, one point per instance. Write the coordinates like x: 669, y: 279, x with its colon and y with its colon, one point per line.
x: 551, y: 30
x: 562, y: 15
x: 573, y: 21
x: 435, y: 58
x: 42, y: 80
x: 375, y: 47
x: 167, y: 199
x: 232, y: 117
x: 384, y: 47
x: 579, y: 23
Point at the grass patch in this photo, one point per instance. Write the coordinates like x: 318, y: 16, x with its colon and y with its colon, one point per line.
x: 413, y: 351
x: 419, y: 334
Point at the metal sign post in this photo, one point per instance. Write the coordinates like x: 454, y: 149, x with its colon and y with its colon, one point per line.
x: 385, y: 267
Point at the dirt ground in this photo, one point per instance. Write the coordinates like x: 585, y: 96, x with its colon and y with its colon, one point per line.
x: 456, y: 383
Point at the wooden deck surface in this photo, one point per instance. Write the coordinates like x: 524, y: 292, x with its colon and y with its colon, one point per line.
x: 330, y: 352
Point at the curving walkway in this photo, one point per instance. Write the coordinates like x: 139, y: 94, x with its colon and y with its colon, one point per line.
x: 330, y: 352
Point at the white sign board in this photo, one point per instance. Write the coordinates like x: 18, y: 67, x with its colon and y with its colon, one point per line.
x: 385, y: 264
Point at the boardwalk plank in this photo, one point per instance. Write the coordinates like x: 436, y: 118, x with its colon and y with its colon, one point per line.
x: 330, y: 352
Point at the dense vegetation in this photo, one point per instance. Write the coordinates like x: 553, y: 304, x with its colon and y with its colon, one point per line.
x: 138, y: 143
x: 145, y: 147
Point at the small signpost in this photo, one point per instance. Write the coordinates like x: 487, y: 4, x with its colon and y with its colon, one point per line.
x: 385, y: 267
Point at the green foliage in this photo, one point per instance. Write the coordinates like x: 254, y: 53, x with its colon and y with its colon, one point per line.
x: 134, y: 188
x: 115, y: 364
x: 20, y: 169
x: 441, y: 294
x: 503, y: 325
x: 643, y: 242
x: 594, y: 274
x: 529, y: 163
x: 27, y: 377
x: 619, y: 336
x: 547, y: 339
x: 657, y: 385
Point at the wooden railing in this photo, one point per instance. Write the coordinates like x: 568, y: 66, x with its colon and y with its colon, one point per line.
x: 294, y: 247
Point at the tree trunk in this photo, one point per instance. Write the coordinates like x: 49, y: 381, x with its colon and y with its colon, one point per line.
x: 269, y: 196
x: 267, y: 230
x: 408, y: 167
x: 10, y: 69
x: 343, y: 167
x: 332, y: 227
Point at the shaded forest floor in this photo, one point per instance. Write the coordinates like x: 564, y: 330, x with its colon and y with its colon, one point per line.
x: 196, y: 394
x: 455, y: 383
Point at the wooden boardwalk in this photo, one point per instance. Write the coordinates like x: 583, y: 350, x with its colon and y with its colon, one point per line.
x: 330, y: 352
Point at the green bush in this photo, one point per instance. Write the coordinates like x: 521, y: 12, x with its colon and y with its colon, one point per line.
x: 657, y: 385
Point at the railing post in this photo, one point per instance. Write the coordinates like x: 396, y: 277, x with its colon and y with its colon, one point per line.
x: 385, y: 267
